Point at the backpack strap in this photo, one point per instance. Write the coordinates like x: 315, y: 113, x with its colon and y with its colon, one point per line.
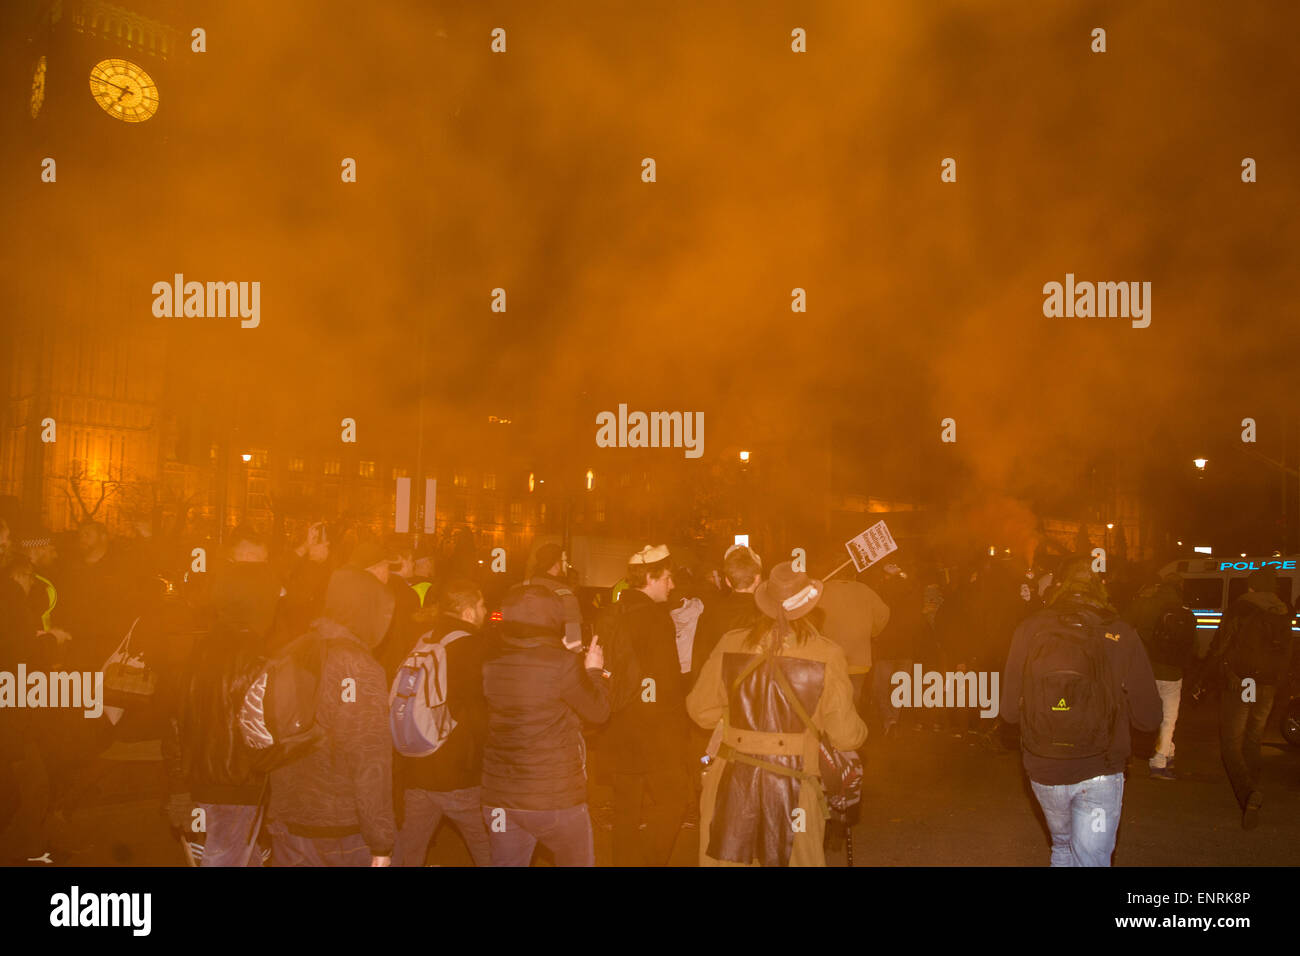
x: 452, y: 636
x: 727, y: 752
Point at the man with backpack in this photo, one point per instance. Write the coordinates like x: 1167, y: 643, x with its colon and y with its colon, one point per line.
x: 1253, y: 651
x: 1076, y: 677
x: 447, y: 779
x: 1168, y: 631
x: 333, y: 804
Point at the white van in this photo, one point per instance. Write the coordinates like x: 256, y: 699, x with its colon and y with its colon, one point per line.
x: 1211, y: 585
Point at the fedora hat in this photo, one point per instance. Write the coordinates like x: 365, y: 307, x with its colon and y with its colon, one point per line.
x: 788, y: 594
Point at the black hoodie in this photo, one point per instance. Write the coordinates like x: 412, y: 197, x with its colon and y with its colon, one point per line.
x: 344, y: 786
x: 1134, y: 688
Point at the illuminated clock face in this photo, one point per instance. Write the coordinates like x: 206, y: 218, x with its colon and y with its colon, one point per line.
x: 38, y: 87
x: 124, y: 90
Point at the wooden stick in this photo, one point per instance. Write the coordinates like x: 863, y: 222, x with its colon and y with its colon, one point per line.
x: 838, y: 570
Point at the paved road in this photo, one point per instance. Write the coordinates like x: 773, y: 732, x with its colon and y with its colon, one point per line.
x: 931, y: 799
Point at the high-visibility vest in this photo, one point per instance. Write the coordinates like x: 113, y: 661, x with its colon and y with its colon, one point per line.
x: 422, y: 588
x: 51, y: 595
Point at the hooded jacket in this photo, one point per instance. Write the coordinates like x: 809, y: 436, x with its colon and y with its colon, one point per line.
x: 1252, y: 602
x: 1132, y: 685
x: 537, y: 696
x: 345, y: 785
x: 1151, y: 604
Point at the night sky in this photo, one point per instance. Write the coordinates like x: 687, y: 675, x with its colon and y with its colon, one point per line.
x: 775, y: 170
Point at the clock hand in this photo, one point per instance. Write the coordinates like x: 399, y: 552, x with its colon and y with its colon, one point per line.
x: 106, y: 83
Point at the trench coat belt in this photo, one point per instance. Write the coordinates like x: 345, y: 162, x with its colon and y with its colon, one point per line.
x: 759, y: 744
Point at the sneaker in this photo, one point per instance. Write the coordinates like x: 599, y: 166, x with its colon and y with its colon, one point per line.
x: 1162, y: 773
x: 1250, y: 818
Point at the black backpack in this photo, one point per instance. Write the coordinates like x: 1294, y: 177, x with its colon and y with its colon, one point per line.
x: 1068, y: 707
x: 1172, y: 636
x: 1259, y: 648
x: 278, y: 716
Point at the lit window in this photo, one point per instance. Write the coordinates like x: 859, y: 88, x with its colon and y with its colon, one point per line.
x: 401, y: 473
x: 460, y: 480
x: 366, y: 469
x: 516, y: 512
x: 259, y: 458
x: 489, y: 482
x: 332, y: 467
x: 297, y: 464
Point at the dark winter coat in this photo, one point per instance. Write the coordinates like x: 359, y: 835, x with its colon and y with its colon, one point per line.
x: 537, y: 696
x: 345, y: 785
x: 648, y: 727
x: 728, y: 612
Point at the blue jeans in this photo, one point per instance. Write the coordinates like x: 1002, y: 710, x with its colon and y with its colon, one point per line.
x: 1083, y: 818
x: 425, y: 810
x: 515, y: 833
x: 230, y: 837
x: 289, y: 849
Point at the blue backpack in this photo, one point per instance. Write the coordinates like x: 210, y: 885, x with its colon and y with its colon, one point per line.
x: 418, y: 714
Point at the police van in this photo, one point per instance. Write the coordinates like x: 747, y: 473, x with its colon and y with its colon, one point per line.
x: 1211, y: 585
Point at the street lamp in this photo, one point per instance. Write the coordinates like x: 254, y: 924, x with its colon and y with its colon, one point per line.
x: 1199, y: 463
x: 590, y: 478
x: 246, y: 456
x: 744, y: 456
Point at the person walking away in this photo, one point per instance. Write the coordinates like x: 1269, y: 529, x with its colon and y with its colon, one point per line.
x: 1076, y: 677
x: 334, y: 806
x: 1253, y: 653
x: 448, y: 782
x: 648, y: 730
x: 538, y: 693
x: 1168, y: 631
x: 763, y: 803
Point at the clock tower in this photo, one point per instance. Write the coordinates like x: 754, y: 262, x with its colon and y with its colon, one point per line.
x: 93, y: 61
x: 101, y: 100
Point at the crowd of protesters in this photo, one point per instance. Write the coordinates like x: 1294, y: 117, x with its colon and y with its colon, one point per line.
x: 710, y: 690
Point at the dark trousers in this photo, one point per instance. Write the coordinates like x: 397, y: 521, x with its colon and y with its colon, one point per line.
x: 1241, y: 729
x: 425, y: 810
x: 657, y: 798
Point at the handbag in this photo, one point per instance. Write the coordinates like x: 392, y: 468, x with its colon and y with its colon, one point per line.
x: 128, y: 680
